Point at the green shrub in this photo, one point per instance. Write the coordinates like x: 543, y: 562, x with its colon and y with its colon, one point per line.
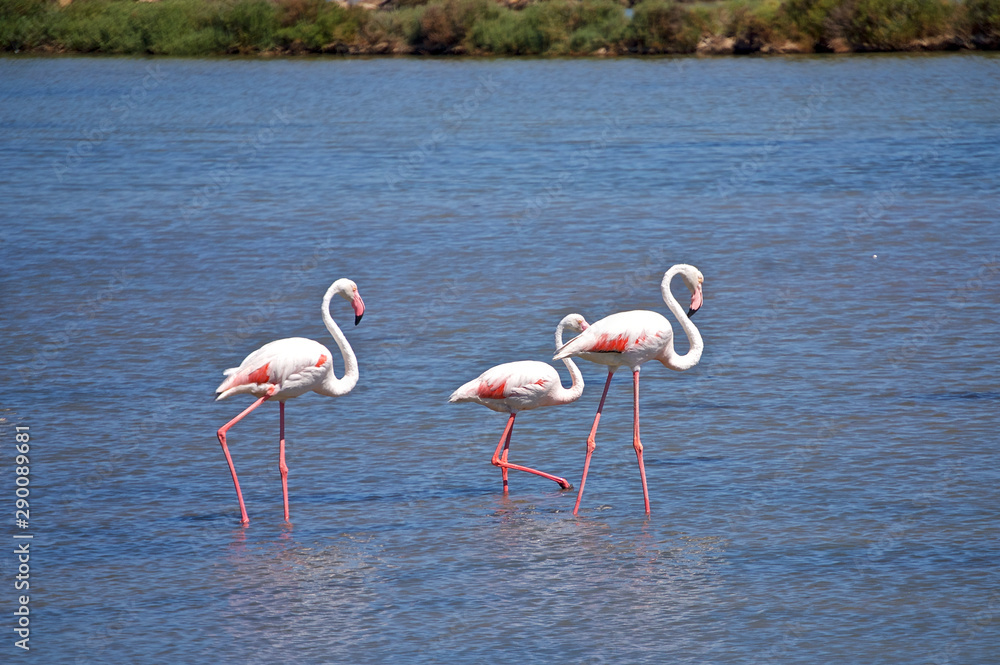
x: 887, y: 25
x: 318, y: 25
x: 509, y: 33
x: 662, y: 26
x: 291, y: 12
x: 597, y: 24
x: 179, y: 27
x: 578, y: 26
x: 25, y: 24
x: 199, y: 41
x: 170, y: 27
x: 811, y: 21
x: 444, y: 25
x: 392, y: 31
x: 606, y: 15
x: 101, y: 26
x: 981, y: 21
x: 751, y: 24
x: 249, y: 25
x: 552, y: 21
x: 24, y: 8
x: 588, y: 40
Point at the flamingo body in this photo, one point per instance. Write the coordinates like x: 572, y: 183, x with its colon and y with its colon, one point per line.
x: 522, y: 386
x: 287, y: 368
x: 296, y: 365
x: 624, y: 339
x: 513, y: 387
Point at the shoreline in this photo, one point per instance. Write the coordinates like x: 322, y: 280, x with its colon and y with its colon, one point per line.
x: 307, y: 55
x: 490, y: 29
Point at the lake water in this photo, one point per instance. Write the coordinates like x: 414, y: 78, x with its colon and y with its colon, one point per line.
x: 824, y: 484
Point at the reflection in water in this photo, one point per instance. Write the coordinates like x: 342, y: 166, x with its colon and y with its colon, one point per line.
x: 284, y: 588
x: 661, y: 577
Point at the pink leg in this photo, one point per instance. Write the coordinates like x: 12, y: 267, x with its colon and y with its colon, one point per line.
x: 504, y: 464
x: 504, y: 445
x: 222, y: 439
x: 635, y: 437
x: 282, y: 467
x: 591, y: 444
x: 503, y: 458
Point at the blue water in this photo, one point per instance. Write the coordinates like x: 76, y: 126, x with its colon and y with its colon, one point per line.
x: 823, y: 484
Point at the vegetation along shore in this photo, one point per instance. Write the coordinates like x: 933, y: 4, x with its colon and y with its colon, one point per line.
x: 489, y: 27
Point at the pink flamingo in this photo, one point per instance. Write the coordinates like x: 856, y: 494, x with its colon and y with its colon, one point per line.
x: 521, y: 386
x: 631, y: 338
x: 288, y: 368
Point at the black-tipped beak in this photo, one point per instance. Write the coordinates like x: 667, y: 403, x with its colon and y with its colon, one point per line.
x: 696, y: 300
x: 359, y: 307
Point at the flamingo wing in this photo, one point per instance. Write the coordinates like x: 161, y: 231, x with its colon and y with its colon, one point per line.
x: 291, y: 364
x: 523, y: 382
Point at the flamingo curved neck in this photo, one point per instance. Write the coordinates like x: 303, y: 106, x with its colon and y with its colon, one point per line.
x: 571, y: 394
x: 670, y: 358
x: 332, y: 386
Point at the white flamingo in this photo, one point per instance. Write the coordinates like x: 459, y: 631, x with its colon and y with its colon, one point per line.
x: 631, y: 338
x: 288, y: 368
x: 521, y: 386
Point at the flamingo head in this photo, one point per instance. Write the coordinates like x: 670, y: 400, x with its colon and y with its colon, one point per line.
x: 575, y: 322
x: 694, y: 279
x: 349, y: 291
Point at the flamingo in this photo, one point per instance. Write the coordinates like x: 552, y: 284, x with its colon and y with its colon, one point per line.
x: 288, y: 368
x: 631, y: 338
x: 521, y: 386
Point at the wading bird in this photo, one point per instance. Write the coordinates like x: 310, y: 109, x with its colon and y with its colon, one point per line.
x: 631, y: 338
x: 521, y: 386
x: 288, y: 368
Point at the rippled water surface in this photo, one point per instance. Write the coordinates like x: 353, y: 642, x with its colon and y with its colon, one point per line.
x: 824, y: 484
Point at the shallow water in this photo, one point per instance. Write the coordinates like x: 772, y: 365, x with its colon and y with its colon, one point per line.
x: 823, y: 484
